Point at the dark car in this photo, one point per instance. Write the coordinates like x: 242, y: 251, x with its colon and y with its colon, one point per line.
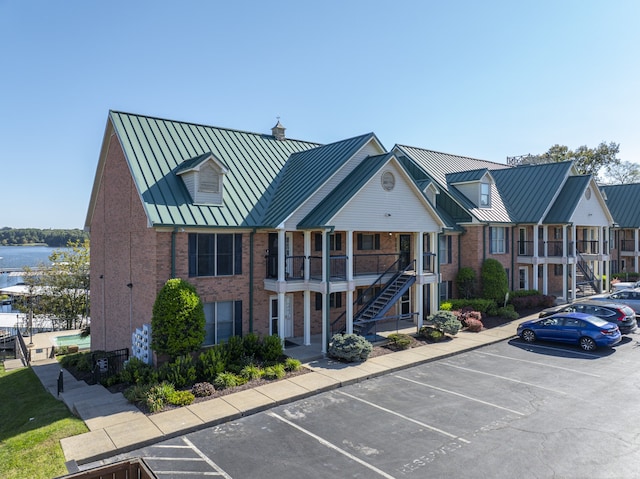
x: 617, y: 313
x: 587, y: 331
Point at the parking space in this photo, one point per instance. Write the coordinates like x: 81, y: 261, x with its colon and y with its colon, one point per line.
x: 512, y: 409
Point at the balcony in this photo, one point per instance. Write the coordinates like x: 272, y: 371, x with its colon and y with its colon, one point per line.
x: 627, y: 245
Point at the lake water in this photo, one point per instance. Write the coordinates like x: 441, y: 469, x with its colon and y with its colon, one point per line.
x: 19, y: 257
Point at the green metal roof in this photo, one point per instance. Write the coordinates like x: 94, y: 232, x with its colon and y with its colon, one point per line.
x: 155, y: 148
x: 568, y: 199
x: 465, y: 176
x: 305, y: 172
x: 621, y: 202
x: 528, y: 190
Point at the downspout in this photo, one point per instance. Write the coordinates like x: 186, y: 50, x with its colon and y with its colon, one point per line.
x: 173, y: 252
x: 484, y: 243
x: 513, y: 262
x: 327, y: 259
x: 251, y: 269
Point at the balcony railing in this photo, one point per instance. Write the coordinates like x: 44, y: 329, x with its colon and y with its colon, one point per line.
x: 588, y: 246
x: 293, y: 267
x: 366, y: 264
x: 627, y: 245
x: 429, y: 263
x: 337, y: 268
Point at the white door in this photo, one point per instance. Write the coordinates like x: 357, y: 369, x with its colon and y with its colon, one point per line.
x: 288, y: 315
x: 524, y: 278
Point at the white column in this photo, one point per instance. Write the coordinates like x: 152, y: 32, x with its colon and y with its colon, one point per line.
x: 419, y: 288
x: 281, y: 280
x: 350, y: 289
x: 307, y: 293
x: 325, y: 282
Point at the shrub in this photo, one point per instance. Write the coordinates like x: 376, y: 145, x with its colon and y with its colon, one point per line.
x: 445, y: 321
x: 467, y: 314
x: 178, y: 319
x: 228, y: 380
x: 251, y: 371
x: 204, y: 389
x: 432, y: 334
x: 446, y: 306
x: 349, y: 347
x: 291, y: 364
x: 530, y: 301
x: 474, y: 325
x: 399, y: 340
x: 79, y: 361
x: 478, y: 304
x: 507, y: 312
x: 495, y: 284
x: 157, y: 396
x: 212, y: 362
x: 180, y: 398
x: 137, y: 393
x: 276, y: 371
x: 466, y: 280
x: 235, y: 349
x: 180, y: 372
x: 252, y: 345
x: 271, y: 350
x: 137, y: 372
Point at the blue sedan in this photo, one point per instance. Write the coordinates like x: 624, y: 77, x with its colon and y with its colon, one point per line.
x: 588, y: 332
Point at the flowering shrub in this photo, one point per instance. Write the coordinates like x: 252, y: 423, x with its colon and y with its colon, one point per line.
x: 474, y: 325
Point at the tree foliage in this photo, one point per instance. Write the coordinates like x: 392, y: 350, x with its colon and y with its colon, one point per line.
x: 60, y: 291
x: 622, y: 173
x: 177, y: 322
x: 588, y: 161
x: 53, y: 238
x: 466, y: 280
x: 495, y: 284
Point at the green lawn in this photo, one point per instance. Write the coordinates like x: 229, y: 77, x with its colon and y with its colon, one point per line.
x: 32, y: 422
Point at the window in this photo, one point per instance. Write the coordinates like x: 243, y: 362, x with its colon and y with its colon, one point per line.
x: 368, y: 241
x: 446, y: 290
x: 223, y: 320
x: 367, y: 294
x: 485, y: 195
x: 215, y: 254
x: 335, y: 242
x: 557, y: 270
x: 335, y: 301
x: 444, y: 249
x: 498, y: 240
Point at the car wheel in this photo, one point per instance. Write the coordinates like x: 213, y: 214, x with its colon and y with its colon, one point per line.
x: 528, y: 335
x: 587, y: 344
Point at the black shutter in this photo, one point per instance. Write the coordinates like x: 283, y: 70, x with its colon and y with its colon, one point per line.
x: 338, y: 300
x: 193, y: 254
x: 318, y: 241
x: 449, y: 250
x: 490, y: 240
x: 318, y: 301
x: 338, y: 241
x: 237, y: 254
x: 506, y: 240
x: 237, y: 318
x: 376, y: 241
x: 359, y: 240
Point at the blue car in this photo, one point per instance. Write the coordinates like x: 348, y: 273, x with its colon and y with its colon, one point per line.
x: 585, y: 330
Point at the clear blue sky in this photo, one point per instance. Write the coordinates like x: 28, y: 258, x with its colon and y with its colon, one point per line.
x: 487, y: 79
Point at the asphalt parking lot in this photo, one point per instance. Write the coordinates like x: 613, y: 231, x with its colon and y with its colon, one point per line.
x: 507, y: 410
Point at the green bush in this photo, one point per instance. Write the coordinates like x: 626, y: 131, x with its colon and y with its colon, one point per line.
x: 276, y: 371
x: 235, y: 349
x: 445, y: 321
x: 180, y: 372
x: 228, y: 380
x: 79, y: 361
x: 399, y: 340
x: 447, y: 305
x: 432, y: 334
x: 157, y: 396
x: 271, y: 350
x: 291, y: 364
x: 465, y: 281
x: 177, y: 320
x: 180, y: 398
x: 251, y: 371
x: 482, y: 305
x: 204, y: 389
x: 495, y: 284
x: 349, y: 347
x: 507, y: 312
x: 252, y: 345
x: 137, y: 393
x: 212, y: 362
x: 137, y: 372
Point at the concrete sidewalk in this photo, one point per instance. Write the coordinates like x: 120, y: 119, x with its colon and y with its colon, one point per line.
x: 117, y: 426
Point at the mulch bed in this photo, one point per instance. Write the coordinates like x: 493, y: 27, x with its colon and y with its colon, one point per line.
x: 379, y: 349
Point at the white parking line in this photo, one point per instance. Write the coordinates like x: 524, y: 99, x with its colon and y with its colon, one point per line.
x: 406, y: 418
x: 201, y: 458
x: 461, y: 395
x: 543, y: 364
x: 503, y: 378
x: 326, y: 443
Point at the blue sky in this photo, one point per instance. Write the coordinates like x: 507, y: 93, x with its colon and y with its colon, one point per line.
x: 486, y: 79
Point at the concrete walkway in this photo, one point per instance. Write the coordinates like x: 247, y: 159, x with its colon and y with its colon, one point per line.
x: 116, y: 426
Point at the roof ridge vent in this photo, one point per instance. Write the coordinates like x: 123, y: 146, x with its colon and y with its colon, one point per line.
x: 278, y: 130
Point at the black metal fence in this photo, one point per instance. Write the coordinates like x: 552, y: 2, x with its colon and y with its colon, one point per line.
x: 108, y: 363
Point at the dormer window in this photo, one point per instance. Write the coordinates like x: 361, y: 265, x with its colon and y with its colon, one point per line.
x: 485, y: 195
x: 209, y: 179
x: 204, y: 178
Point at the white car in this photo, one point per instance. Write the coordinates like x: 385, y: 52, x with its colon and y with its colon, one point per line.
x: 624, y: 285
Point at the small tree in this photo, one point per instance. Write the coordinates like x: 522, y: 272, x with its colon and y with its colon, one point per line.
x: 178, y: 321
x: 466, y: 280
x: 495, y: 284
x: 445, y: 321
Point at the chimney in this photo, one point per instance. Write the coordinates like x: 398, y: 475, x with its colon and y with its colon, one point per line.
x: 278, y: 131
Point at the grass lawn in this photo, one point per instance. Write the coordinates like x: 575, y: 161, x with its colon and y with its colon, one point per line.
x: 31, y: 426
